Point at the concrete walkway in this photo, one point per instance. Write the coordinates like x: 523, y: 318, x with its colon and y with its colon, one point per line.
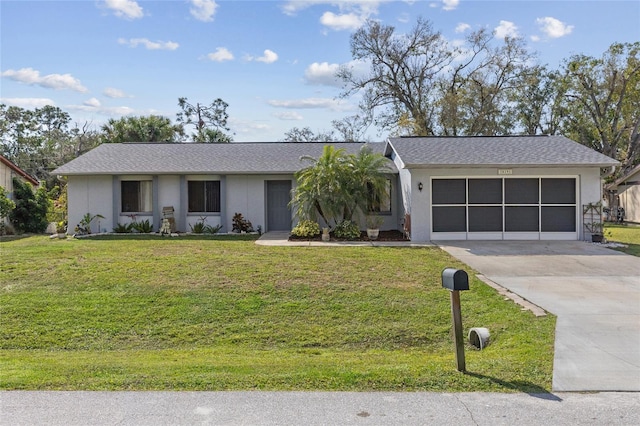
x: 595, y: 293
x: 316, y: 408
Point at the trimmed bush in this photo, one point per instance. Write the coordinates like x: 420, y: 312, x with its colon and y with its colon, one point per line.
x: 347, y: 230
x: 306, y: 229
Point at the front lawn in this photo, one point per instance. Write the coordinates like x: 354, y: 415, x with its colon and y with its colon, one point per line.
x: 216, y: 313
x: 628, y: 234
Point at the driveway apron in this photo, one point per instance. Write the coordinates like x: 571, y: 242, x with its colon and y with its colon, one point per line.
x: 594, y: 292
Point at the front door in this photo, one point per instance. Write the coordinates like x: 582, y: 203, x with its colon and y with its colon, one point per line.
x: 278, y: 212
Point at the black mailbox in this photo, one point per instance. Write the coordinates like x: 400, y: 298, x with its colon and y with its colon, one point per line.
x: 455, y: 279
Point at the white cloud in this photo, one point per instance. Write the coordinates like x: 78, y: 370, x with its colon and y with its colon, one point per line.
x: 553, y: 27
x: 118, y: 111
x: 535, y: 38
x: 128, y: 9
x: 203, y: 10
x: 50, y: 81
x: 506, y: 29
x: 404, y: 18
x: 311, y: 103
x: 462, y: 27
x: 148, y: 44
x: 348, y: 21
x: 92, y: 102
x: 248, y: 127
x: 322, y: 74
x: 268, y: 57
x: 220, y: 55
x: 113, y: 93
x: 28, y: 103
x: 450, y: 4
x: 289, y: 115
x: 352, y: 13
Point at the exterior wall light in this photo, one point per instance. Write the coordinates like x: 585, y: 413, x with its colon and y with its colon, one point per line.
x: 420, y: 186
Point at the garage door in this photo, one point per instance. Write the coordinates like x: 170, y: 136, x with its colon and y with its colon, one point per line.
x: 504, y: 208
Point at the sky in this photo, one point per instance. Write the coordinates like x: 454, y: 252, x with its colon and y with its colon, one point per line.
x: 271, y: 61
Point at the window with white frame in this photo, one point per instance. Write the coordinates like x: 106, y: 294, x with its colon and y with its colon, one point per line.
x: 204, y: 196
x: 136, y: 196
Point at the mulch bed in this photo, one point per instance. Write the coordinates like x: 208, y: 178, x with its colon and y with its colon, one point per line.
x: 382, y: 236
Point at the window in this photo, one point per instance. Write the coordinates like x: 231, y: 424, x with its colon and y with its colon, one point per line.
x: 204, y: 196
x: 382, y: 203
x: 136, y: 196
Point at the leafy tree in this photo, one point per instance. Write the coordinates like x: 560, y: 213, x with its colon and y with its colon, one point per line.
x: 152, y: 128
x: 30, y: 213
x: 603, y: 102
x: 540, y: 103
x: 31, y: 138
x: 210, y: 122
x: 40, y: 140
x: 305, y: 134
x: 338, y: 186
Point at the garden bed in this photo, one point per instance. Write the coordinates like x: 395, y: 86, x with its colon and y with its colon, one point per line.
x: 382, y: 236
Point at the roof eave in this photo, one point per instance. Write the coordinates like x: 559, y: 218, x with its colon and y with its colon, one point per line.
x: 514, y: 166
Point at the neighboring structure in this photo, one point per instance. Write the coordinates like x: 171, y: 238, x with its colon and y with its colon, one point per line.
x: 8, y: 171
x: 521, y: 187
x: 628, y: 194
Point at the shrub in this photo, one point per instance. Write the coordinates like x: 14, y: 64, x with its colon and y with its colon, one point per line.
x: 240, y: 224
x: 30, y: 212
x: 122, y: 228
x: 374, y: 221
x: 306, y: 229
x: 198, y: 228
x: 6, y: 206
x: 143, y: 227
x: 347, y: 230
x: 208, y: 229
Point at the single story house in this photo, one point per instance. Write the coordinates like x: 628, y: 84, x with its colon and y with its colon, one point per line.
x: 628, y: 194
x: 211, y: 181
x: 8, y: 171
x: 517, y: 187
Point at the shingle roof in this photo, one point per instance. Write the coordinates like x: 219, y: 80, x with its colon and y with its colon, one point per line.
x: 198, y: 158
x: 495, y: 151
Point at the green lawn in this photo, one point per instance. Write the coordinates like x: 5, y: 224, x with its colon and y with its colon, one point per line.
x: 226, y: 314
x: 627, y: 234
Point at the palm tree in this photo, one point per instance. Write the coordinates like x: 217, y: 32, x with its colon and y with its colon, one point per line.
x: 152, y: 128
x: 369, y: 180
x: 337, y: 186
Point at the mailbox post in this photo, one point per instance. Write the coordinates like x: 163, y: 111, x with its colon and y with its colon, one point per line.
x: 456, y: 280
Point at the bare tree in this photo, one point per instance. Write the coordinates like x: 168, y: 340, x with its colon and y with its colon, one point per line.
x: 305, y: 134
x: 402, y: 73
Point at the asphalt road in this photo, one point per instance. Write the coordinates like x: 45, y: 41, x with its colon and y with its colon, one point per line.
x: 316, y: 408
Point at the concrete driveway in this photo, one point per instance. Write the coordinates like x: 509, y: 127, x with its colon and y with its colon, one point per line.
x: 595, y: 293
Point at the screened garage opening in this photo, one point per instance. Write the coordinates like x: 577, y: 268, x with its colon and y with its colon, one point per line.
x: 504, y: 208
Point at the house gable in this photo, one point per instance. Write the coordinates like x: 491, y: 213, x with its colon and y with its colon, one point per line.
x: 8, y: 171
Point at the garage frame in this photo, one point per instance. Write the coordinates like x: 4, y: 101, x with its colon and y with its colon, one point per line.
x: 505, y: 207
